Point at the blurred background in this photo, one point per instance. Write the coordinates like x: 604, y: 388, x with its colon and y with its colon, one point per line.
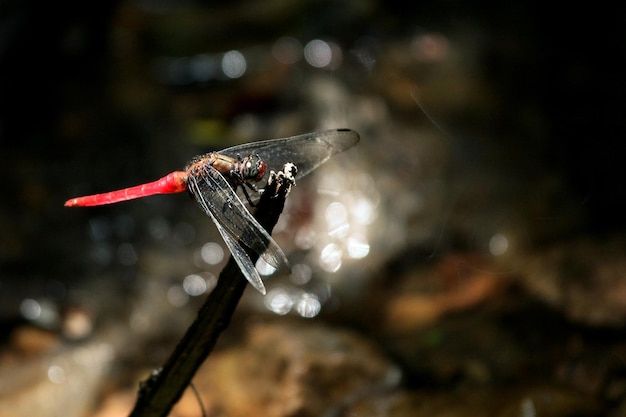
x: 466, y: 258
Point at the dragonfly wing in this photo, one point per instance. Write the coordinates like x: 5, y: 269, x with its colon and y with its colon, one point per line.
x: 306, y: 151
x: 242, y: 259
x: 218, y: 199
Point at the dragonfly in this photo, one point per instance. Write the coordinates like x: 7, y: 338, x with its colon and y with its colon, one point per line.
x: 213, y: 179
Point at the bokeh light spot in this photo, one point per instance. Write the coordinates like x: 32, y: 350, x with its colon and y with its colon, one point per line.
x: 318, y: 53
x: 308, y: 305
x: 264, y: 268
x: 279, y: 301
x: 30, y: 309
x: 301, y: 274
x: 330, y: 257
x: 233, y: 64
x: 56, y: 374
x: 498, y: 244
x: 176, y: 296
x: 357, y: 247
x: 212, y: 253
x: 194, y: 285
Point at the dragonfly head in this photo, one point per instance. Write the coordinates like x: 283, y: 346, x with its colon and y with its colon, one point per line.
x: 254, y: 168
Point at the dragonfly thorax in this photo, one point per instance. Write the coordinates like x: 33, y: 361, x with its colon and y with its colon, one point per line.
x: 236, y: 170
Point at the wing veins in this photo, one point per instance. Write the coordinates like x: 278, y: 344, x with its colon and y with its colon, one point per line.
x: 225, y: 206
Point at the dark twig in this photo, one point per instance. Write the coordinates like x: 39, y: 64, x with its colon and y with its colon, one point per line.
x: 159, y: 393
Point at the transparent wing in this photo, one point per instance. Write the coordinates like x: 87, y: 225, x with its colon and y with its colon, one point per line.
x: 242, y: 259
x: 218, y: 199
x: 306, y: 151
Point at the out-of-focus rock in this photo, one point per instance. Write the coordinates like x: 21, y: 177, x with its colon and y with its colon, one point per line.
x: 296, y: 369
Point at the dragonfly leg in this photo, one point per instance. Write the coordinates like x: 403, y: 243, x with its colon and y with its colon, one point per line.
x: 237, y: 175
x: 245, y: 193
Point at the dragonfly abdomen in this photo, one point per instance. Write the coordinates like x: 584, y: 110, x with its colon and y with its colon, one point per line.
x: 174, y: 182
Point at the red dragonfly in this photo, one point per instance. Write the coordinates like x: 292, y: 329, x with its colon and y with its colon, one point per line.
x: 214, y: 178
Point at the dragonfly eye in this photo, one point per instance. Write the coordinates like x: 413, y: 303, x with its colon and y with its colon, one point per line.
x: 261, y: 166
x: 254, y: 168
